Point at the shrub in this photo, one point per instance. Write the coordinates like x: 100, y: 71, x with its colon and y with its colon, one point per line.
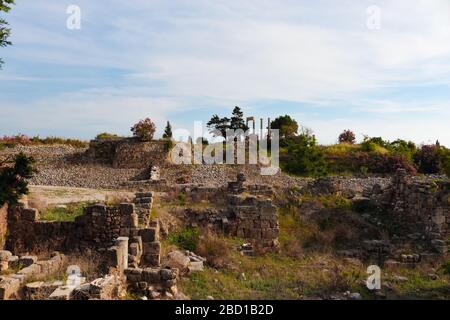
x: 347, y: 137
x: 144, y: 129
x: 305, y: 157
x: 214, y: 249
x: 384, y: 163
x: 186, y: 238
x: 403, y: 148
x: 106, y: 136
x: 13, y: 178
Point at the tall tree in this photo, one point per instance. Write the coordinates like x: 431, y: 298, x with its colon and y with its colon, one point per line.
x: 287, y: 126
x: 168, y: 131
x: 218, y: 126
x: 237, y: 120
x: 5, y: 6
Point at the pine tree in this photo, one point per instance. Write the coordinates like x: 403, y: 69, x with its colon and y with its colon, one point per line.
x: 5, y: 5
x: 168, y: 131
x: 237, y: 120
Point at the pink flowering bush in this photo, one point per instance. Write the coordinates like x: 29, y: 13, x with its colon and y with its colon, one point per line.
x: 144, y: 129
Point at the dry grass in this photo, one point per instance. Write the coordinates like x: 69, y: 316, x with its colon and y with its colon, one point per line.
x: 215, y: 249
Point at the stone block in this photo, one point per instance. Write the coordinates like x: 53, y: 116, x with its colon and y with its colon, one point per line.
x: 151, y: 247
x: 5, y: 255
x: 30, y: 271
x: 152, y: 259
x: 62, y: 293
x: 151, y: 275
x: 30, y: 215
x: 148, y: 235
x: 9, y: 288
x: 126, y: 209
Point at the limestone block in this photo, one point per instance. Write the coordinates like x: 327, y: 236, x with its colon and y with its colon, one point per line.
x: 30, y: 271
x: 62, y: 293
x: 195, y: 266
x: 177, y: 259
x: 5, y: 255
x: 9, y: 288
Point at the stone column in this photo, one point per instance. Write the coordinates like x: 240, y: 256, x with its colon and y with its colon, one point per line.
x: 122, y: 253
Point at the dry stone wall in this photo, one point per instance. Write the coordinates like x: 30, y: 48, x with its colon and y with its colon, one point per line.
x: 248, y: 217
x: 99, y: 228
x: 128, y: 152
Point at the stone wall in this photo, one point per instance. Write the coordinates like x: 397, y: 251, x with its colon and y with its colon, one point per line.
x: 3, y: 225
x: 418, y: 208
x: 98, y: 228
x: 248, y: 217
x: 128, y: 153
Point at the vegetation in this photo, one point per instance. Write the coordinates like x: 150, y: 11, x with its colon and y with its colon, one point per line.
x: 168, y: 131
x: 24, y: 140
x: 5, y: 32
x: 218, y: 126
x: 287, y: 126
x: 186, y: 238
x: 347, y: 137
x: 13, y: 178
x: 64, y: 213
x: 144, y: 130
x: 304, y: 157
x: 106, y: 136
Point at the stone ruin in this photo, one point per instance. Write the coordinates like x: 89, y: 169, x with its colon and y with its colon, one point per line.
x: 250, y: 217
x: 420, y: 209
x: 127, y: 152
x: 126, y: 237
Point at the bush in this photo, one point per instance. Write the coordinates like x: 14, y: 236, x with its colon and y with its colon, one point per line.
x: 13, y: 178
x: 186, y: 238
x: 384, y: 163
x: 347, y: 137
x: 214, y: 249
x: 305, y: 158
x: 144, y: 129
x: 106, y: 136
x: 403, y: 148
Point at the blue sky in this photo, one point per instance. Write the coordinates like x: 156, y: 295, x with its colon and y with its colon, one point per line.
x: 185, y: 60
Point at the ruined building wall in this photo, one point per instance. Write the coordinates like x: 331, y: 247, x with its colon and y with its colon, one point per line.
x: 127, y: 152
x: 98, y: 229
x: 247, y: 217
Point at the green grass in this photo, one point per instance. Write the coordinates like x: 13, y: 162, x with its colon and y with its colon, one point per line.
x: 69, y: 213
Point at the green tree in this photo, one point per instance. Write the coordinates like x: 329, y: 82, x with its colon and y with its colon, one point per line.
x: 218, y: 126
x: 5, y: 32
x: 13, y: 178
x: 237, y: 120
x: 305, y: 158
x: 287, y: 126
x: 168, y: 131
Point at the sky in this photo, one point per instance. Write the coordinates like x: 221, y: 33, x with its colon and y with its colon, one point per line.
x: 379, y: 68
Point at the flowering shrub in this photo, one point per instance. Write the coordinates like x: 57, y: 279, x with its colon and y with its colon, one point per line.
x: 15, y: 140
x: 144, y: 129
x: 347, y: 137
